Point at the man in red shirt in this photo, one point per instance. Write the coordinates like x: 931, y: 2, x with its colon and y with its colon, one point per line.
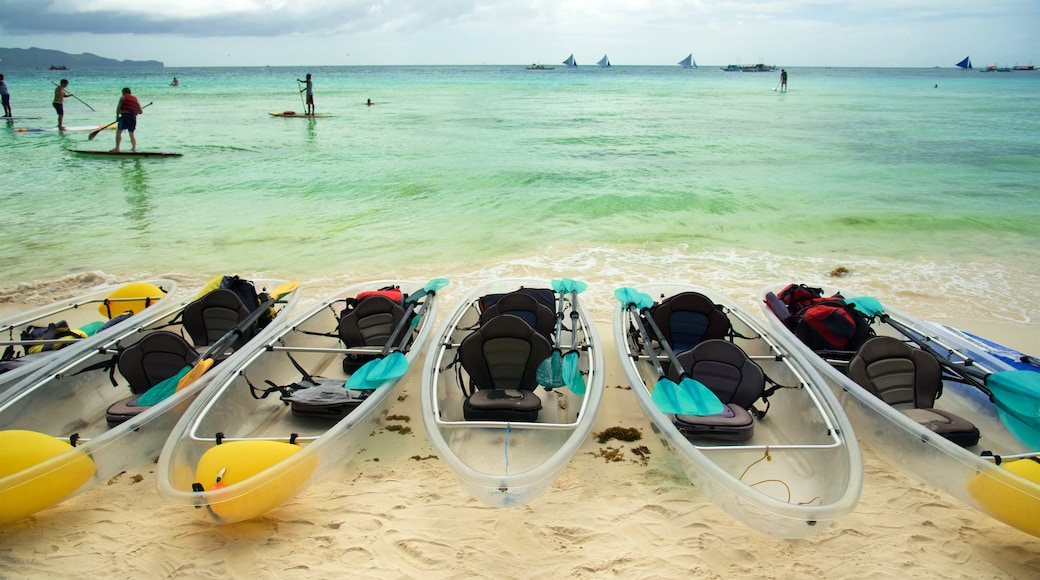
x: 127, y: 111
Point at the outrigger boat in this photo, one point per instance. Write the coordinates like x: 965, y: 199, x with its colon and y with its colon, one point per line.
x: 937, y: 404
x: 66, y: 427
x: 300, y: 401
x: 37, y: 336
x: 751, y: 424
x: 511, y: 388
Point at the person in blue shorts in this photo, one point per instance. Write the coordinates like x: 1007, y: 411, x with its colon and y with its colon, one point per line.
x: 59, y: 102
x: 127, y: 111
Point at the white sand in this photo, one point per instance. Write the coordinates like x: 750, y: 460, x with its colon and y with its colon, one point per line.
x: 396, y: 512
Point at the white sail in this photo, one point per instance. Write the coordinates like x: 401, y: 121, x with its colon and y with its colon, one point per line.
x: 604, y: 62
x: 570, y: 61
x: 688, y: 62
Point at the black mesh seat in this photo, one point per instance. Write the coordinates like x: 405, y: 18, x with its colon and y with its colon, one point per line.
x: 146, y: 363
x: 209, y: 318
x: 688, y: 318
x: 501, y: 359
x: 734, y: 378
x: 910, y: 380
x: 525, y: 306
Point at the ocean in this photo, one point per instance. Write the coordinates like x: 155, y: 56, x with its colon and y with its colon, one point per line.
x: 922, y: 186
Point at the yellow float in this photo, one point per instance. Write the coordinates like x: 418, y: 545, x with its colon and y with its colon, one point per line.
x: 37, y: 471
x: 234, y: 462
x: 1008, y: 504
x: 117, y: 303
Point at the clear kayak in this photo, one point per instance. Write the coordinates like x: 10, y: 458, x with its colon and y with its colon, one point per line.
x: 943, y: 429
x: 768, y: 443
x: 76, y: 424
x: 512, y: 385
x: 46, y: 334
x: 299, y: 402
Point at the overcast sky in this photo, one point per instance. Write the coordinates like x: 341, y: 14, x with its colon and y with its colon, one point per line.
x: 888, y: 33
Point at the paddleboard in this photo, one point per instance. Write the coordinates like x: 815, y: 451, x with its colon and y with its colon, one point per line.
x: 106, y: 153
x: 298, y: 115
x: 18, y: 118
x: 67, y: 129
x: 1013, y: 358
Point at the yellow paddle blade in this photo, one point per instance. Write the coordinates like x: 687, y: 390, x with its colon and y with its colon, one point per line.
x: 197, y: 371
x: 283, y: 289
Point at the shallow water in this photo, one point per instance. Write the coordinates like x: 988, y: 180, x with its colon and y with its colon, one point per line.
x: 923, y: 183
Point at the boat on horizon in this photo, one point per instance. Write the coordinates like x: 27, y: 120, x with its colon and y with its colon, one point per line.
x: 688, y: 62
x: 570, y: 62
x: 965, y: 64
x: 604, y: 62
x: 540, y: 67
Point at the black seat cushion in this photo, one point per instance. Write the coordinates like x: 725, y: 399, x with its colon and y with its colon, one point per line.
x: 908, y: 377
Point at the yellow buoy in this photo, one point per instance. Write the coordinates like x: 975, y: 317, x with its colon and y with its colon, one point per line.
x: 234, y: 462
x: 1010, y: 505
x: 37, y: 471
x: 146, y: 294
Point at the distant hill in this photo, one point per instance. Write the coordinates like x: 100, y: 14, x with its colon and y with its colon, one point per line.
x: 12, y: 58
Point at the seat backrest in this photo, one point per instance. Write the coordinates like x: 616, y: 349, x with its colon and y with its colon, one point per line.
x: 371, y: 322
x: 725, y: 369
x: 525, y: 306
x: 504, y: 354
x: 155, y: 358
x: 213, y: 315
x: 896, y: 372
x: 688, y: 318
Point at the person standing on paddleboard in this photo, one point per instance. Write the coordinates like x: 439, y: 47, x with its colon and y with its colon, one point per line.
x: 309, y: 87
x: 5, y: 97
x: 127, y: 111
x: 783, y: 80
x: 59, y: 101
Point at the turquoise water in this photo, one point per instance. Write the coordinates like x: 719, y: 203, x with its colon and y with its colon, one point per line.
x: 921, y: 182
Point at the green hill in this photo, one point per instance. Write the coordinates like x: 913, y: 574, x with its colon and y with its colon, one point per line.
x: 39, y: 58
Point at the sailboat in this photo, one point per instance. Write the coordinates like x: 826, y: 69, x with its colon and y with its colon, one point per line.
x: 688, y: 62
x: 570, y: 61
x: 965, y: 64
x: 604, y: 62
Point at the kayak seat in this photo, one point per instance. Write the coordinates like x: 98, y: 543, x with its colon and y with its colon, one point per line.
x: 525, y: 305
x: 370, y: 323
x: 501, y: 359
x: 688, y: 318
x: 151, y: 360
x: 910, y: 380
x: 734, y: 378
x: 209, y: 318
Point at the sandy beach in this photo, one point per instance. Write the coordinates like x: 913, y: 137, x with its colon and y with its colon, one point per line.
x: 397, y: 511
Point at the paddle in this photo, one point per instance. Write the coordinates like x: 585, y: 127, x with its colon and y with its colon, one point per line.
x: 550, y: 370
x: 95, y: 133
x: 690, y: 397
x: 384, y: 368
x: 73, y: 96
x: 571, y: 374
x: 1015, y: 393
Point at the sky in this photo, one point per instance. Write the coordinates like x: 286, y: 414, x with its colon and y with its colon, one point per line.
x: 873, y: 33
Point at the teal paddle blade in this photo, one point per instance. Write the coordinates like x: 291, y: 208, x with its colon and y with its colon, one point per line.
x: 1018, y: 391
x: 632, y: 296
x: 387, y: 368
x: 568, y: 285
x: 550, y: 371
x: 1025, y: 429
x: 571, y: 374
x: 868, y: 305
x: 162, y: 390
x: 689, y: 398
x: 431, y: 286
